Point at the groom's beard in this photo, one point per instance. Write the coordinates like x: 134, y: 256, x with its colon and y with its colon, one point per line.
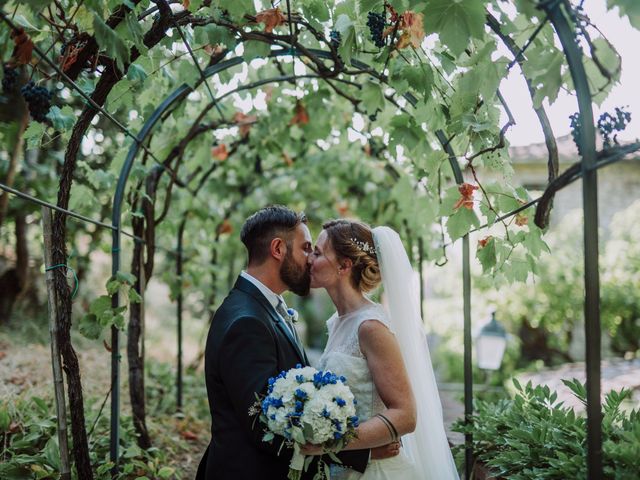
x: 297, y: 278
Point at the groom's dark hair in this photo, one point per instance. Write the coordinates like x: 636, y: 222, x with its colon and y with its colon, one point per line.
x: 265, y: 225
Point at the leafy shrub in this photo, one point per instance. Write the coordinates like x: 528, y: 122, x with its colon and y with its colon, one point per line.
x: 534, y: 436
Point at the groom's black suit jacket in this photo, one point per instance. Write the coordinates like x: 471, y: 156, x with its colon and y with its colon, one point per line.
x: 247, y: 344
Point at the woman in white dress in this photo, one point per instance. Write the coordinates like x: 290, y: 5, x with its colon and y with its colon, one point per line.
x: 382, y: 352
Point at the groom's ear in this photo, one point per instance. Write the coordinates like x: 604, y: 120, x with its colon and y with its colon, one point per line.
x: 278, y: 248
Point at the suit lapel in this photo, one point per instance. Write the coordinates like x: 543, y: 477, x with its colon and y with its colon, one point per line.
x: 249, y: 288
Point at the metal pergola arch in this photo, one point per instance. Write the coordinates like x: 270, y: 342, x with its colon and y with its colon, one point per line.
x: 166, y: 106
x: 557, y: 11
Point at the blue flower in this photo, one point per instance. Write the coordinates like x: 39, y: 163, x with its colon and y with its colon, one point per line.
x: 355, y: 421
x: 300, y: 394
x: 337, y: 435
x: 300, y: 378
x: 298, y: 365
x: 340, y: 401
x: 343, y: 379
x: 325, y: 413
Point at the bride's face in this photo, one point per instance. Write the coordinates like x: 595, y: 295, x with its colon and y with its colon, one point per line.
x: 324, y: 264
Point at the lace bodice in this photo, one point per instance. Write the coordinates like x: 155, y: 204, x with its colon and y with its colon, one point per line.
x: 343, y: 356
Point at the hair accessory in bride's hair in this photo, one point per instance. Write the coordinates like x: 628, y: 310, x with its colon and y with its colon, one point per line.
x: 364, y: 246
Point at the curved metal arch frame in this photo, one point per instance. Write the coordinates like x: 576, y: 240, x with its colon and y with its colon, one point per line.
x: 171, y: 101
x: 558, y: 10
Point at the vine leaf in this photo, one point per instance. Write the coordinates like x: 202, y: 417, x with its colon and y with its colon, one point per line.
x: 300, y: 116
x: 271, y: 18
x: 219, y: 152
x: 412, y: 27
x: 23, y: 49
x: 455, y: 22
x: 466, y: 196
x: 109, y: 40
x: 630, y: 8
x: 486, y: 253
x: 244, y: 122
x: 461, y: 222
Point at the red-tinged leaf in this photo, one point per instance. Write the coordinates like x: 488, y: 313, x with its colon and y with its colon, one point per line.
x: 271, y: 18
x: 342, y: 208
x: 287, y: 159
x: 219, y: 152
x: 188, y: 435
x: 186, y: 3
x: 483, y: 241
x: 300, y: 116
x: 107, y: 347
x: 244, y: 122
x: 14, y: 427
x: 2, y: 355
x: 521, y: 219
x: 225, y: 227
x: 466, y: 200
x: 393, y: 15
x: 23, y: 49
x: 412, y: 26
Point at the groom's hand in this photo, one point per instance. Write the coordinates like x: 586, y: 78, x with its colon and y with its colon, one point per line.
x: 386, y: 451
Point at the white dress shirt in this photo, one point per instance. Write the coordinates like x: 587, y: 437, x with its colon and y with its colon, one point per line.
x: 272, y: 298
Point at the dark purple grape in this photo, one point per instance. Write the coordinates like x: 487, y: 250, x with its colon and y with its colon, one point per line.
x: 38, y: 99
x: 335, y: 38
x: 376, y: 23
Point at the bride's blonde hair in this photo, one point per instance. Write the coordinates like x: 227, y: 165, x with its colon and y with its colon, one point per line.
x: 353, y: 240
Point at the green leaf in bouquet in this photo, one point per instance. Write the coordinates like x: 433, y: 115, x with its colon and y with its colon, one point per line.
x: 298, y: 435
x: 267, y: 437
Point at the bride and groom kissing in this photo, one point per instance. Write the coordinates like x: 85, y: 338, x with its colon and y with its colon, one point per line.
x: 382, y: 351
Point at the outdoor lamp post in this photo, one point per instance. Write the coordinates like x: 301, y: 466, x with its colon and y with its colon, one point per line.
x: 490, y: 344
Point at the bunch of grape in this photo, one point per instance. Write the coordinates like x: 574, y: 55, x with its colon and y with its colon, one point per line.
x: 376, y: 24
x: 576, y: 130
x: 38, y: 99
x: 335, y: 38
x: 10, y: 79
x: 608, y: 124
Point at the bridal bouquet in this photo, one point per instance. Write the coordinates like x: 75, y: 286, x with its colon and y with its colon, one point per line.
x: 305, y: 405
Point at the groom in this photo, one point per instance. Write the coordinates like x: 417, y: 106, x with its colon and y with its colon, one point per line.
x: 250, y: 341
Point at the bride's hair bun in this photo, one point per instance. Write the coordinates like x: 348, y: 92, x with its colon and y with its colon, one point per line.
x: 353, y: 240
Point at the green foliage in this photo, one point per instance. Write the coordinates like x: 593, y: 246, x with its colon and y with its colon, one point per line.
x: 30, y: 446
x: 551, y: 304
x: 534, y: 436
x: 101, y: 312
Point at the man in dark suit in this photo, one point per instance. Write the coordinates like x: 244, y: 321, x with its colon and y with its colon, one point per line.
x: 249, y: 341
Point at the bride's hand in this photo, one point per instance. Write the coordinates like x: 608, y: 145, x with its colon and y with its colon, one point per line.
x: 311, y: 449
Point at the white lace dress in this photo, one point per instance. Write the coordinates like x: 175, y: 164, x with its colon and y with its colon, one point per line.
x: 343, y: 356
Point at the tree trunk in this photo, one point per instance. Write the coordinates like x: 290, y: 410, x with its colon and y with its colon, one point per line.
x: 108, y: 79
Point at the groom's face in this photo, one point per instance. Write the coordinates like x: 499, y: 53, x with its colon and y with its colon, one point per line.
x: 294, y: 270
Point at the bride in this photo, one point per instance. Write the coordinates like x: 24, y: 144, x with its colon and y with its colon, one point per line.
x: 382, y: 352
